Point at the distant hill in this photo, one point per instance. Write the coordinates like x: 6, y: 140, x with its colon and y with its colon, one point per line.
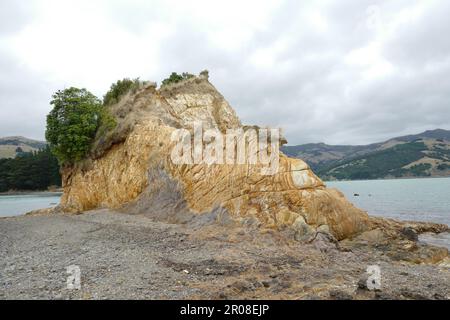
x: 11, y: 146
x: 419, y: 155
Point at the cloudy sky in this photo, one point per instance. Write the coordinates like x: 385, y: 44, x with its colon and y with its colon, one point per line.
x: 340, y: 72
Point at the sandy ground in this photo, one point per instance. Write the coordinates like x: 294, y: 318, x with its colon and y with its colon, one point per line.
x: 131, y: 257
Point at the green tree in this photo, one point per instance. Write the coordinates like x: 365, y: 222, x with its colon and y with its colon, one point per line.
x: 72, y: 124
x: 30, y: 171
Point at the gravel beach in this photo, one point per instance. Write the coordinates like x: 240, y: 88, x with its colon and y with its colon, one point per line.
x: 123, y: 256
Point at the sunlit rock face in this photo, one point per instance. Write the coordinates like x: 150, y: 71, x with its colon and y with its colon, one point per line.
x: 132, y: 168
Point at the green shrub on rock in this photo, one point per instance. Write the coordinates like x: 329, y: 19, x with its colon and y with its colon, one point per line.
x: 119, y: 89
x: 175, y: 77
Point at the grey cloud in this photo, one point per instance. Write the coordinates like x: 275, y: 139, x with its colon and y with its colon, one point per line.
x: 14, y: 15
x: 310, y: 91
x: 424, y: 41
x: 24, y: 97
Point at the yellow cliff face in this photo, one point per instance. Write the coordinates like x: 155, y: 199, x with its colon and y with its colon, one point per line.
x: 292, y: 197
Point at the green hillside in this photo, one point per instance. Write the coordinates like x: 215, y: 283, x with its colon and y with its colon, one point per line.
x: 10, y: 147
x: 422, y: 155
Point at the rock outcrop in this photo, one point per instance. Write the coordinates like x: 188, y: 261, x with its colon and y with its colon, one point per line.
x: 131, y: 167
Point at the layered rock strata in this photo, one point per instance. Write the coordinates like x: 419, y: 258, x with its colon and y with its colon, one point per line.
x: 132, y: 167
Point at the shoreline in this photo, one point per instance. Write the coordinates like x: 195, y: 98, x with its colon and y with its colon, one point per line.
x: 390, y: 179
x: 31, y: 193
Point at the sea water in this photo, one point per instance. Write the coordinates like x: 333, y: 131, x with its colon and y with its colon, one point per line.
x: 14, y: 205
x: 426, y: 199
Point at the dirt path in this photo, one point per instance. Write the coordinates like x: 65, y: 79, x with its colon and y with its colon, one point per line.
x: 129, y: 256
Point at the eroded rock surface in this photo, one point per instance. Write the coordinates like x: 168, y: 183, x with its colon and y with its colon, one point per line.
x: 122, y: 168
x: 131, y: 169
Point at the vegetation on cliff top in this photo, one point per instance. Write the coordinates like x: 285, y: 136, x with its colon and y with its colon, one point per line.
x: 119, y: 89
x: 72, y: 124
x: 175, y: 77
x: 77, y: 117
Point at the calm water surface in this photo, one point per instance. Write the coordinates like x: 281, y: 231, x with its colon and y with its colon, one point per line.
x: 14, y: 205
x: 404, y: 199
